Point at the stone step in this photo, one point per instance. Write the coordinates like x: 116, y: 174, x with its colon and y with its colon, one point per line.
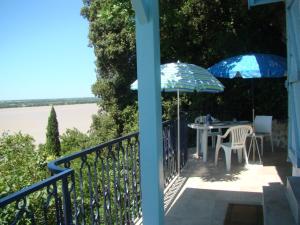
x: 276, y: 206
x: 293, y: 194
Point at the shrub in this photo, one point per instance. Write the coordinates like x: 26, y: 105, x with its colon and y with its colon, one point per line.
x: 52, y: 135
x: 19, y: 163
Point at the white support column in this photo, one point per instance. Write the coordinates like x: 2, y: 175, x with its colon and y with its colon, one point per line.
x: 149, y: 102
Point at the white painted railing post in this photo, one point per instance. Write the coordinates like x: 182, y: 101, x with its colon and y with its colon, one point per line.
x: 149, y: 102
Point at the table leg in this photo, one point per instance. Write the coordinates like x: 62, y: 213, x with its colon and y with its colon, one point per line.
x: 197, y: 143
x: 204, y: 144
x: 254, y: 147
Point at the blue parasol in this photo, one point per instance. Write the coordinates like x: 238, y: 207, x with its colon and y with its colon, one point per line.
x: 251, y: 66
x: 183, y: 77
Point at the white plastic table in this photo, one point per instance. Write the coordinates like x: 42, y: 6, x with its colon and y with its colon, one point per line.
x: 202, y: 130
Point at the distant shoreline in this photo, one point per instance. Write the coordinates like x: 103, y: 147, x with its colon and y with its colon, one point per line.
x: 46, y: 102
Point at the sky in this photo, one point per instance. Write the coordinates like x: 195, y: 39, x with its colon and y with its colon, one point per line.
x: 44, y: 50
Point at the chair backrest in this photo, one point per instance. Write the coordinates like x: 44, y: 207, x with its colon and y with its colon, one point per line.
x: 239, y: 135
x: 200, y: 119
x: 263, y: 124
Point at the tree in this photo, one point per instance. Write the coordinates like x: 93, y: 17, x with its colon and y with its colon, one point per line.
x: 113, y: 37
x: 52, y: 135
x: 73, y: 141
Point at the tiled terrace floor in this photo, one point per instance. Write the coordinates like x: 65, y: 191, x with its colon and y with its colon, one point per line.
x: 202, y: 192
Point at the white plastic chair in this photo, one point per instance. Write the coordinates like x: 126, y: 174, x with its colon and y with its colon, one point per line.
x: 263, y: 128
x: 213, y: 133
x: 199, y: 119
x: 237, y: 141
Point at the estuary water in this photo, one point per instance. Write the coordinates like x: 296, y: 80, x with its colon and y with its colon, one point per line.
x: 33, y: 120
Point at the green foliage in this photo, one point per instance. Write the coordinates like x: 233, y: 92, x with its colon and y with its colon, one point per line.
x: 113, y: 39
x: 170, y: 103
x: 104, y: 127
x: 19, y: 163
x: 130, y: 115
x: 22, y: 165
x: 73, y: 140
x: 52, y: 135
x: 201, y: 33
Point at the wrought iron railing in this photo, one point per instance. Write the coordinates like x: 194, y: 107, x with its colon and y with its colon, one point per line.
x: 51, y: 205
x: 184, y: 140
x: 99, y: 185
x: 170, y: 148
x: 169, y: 151
x: 107, y: 182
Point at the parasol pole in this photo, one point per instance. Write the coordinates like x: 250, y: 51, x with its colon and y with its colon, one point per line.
x: 178, y: 132
x: 252, y: 94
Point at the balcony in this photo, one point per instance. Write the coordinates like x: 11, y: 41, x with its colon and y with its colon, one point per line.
x: 101, y: 185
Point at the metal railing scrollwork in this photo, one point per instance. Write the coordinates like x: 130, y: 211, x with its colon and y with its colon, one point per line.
x: 49, y: 209
x: 99, y: 185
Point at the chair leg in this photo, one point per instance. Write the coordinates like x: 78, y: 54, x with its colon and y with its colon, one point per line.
x: 250, y: 147
x: 271, y: 139
x: 228, y: 158
x: 245, y: 155
x: 261, y: 144
x: 218, y: 147
x: 217, y: 155
x: 240, y: 155
x: 258, y: 150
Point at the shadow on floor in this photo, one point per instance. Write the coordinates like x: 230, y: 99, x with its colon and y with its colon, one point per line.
x: 209, y: 172
x: 278, y: 159
x: 173, y: 191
